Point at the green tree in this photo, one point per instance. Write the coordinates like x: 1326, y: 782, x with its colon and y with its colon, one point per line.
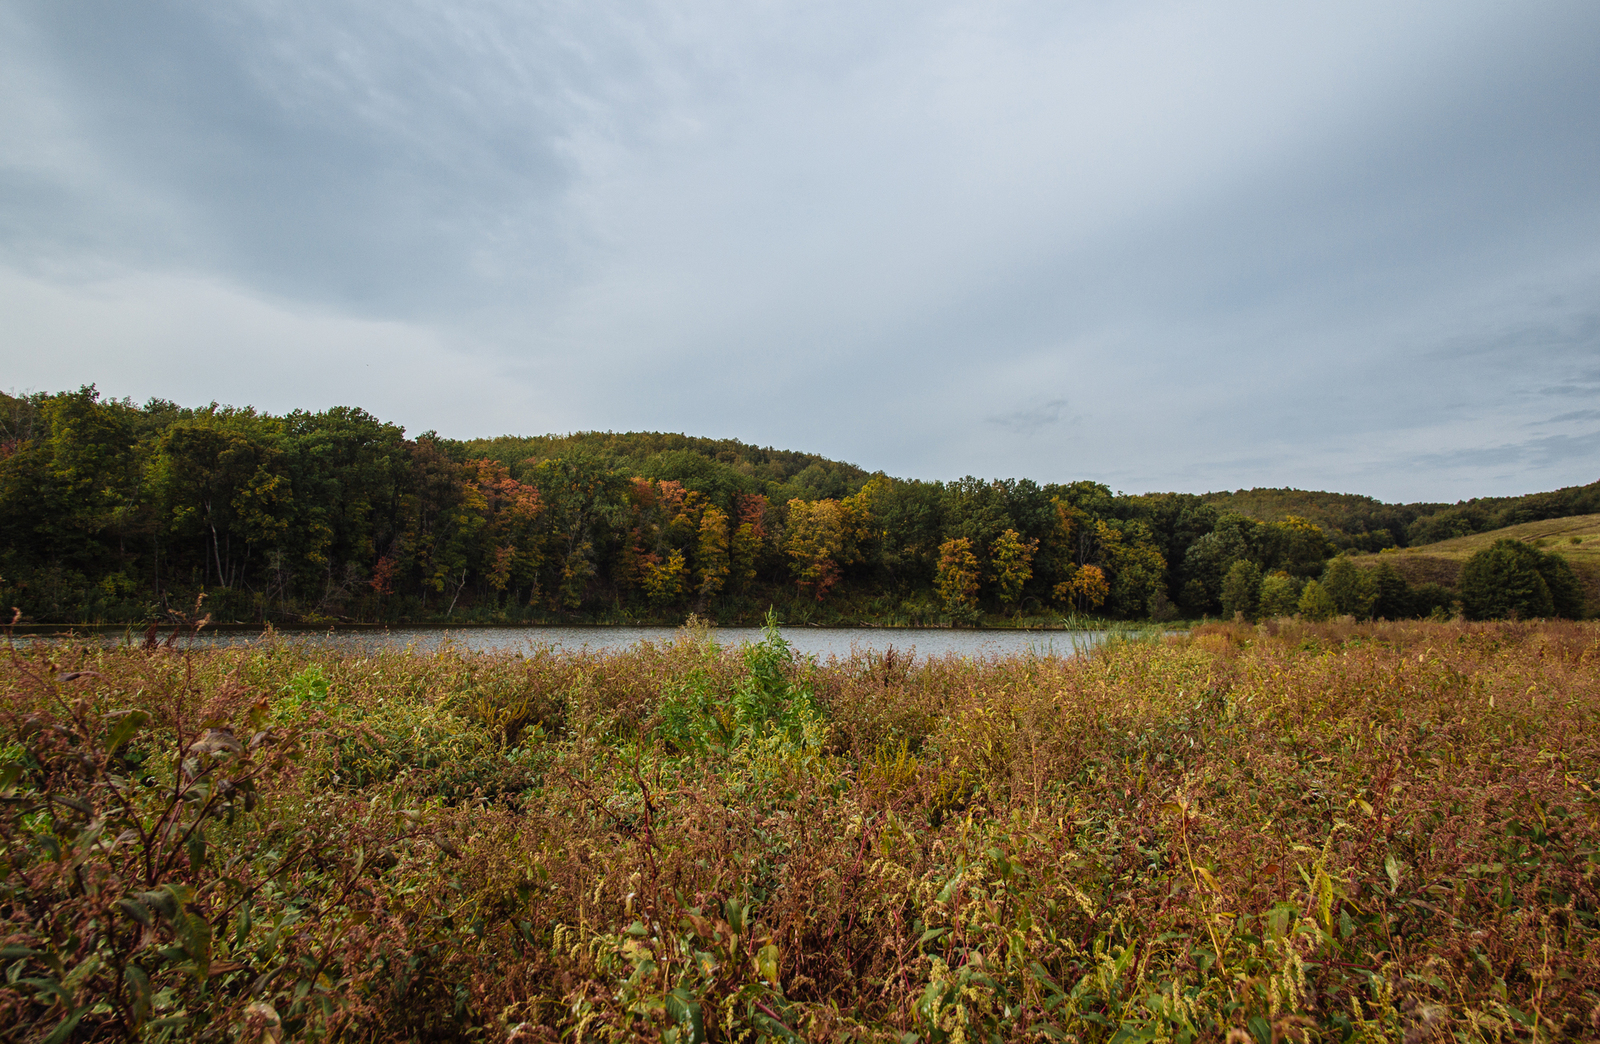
x: 1294, y: 545
x: 1511, y: 579
x: 1280, y: 595
x: 218, y: 478
x: 1433, y: 600
x: 1316, y: 603
x: 1353, y: 590
x: 1393, y: 599
x: 1241, y: 586
x: 1137, y: 570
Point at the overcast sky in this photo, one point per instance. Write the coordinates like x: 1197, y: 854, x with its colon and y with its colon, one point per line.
x: 1185, y: 246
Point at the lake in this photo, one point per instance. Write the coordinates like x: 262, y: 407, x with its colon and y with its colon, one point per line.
x: 821, y: 642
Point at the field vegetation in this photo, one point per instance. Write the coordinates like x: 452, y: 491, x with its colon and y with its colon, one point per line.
x: 1291, y: 831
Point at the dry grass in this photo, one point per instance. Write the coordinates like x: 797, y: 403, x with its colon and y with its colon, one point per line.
x: 1328, y: 832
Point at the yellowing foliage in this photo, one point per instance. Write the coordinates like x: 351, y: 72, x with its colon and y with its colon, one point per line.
x: 957, y: 577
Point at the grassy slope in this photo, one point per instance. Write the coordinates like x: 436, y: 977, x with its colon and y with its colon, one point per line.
x: 1441, y: 562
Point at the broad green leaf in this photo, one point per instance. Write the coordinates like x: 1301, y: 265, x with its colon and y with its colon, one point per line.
x: 128, y: 723
x: 137, y: 910
x: 767, y: 963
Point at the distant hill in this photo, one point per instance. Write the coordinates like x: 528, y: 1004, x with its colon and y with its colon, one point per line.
x: 712, y: 466
x: 1363, y: 523
x: 1351, y: 521
x: 1576, y: 538
x: 1484, y: 514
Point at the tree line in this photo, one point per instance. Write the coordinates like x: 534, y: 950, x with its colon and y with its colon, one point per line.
x: 111, y: 511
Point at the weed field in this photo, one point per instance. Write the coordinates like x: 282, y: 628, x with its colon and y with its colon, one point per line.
x: 1318, y: 832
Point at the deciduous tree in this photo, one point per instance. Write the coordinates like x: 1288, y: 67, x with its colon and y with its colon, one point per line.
x: 817, y: 542
x: 957, y: 578
x: 1511, y: 579
x: 1280, y: 595
x: 712, y: 552
x: 1240, y: 589
x: 1315, y: 602
x: 1085, y: 590
x: 1012, y: 560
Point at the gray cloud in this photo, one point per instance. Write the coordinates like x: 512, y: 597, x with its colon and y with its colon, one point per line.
x: 1576, y: 415
x: 1029, y: 419
x: 1252, y: 244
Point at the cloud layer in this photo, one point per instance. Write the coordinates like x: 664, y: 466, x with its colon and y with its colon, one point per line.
x: 1162, y: 245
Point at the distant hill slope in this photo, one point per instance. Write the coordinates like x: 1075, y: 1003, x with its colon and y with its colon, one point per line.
x: 1576, y: 538
x: 1485, y: 514
x: 709, y: 465
x: 1366, y: 524
x: 1350, y: 520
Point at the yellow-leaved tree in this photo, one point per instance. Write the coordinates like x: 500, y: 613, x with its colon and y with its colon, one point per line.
x: 816, y: 541
x: 1085, y: 589
x: 711, y: 553
x: 1012, y: 560
x: 665, y: 581
x: 957, y: 578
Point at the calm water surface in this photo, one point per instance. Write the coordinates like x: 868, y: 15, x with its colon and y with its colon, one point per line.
x: 821, y: 642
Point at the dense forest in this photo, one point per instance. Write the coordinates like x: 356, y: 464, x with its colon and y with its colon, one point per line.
x: 115, y: 512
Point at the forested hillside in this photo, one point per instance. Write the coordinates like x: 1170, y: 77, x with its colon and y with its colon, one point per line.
x: 1364, y: 524
x: 115, y: 512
